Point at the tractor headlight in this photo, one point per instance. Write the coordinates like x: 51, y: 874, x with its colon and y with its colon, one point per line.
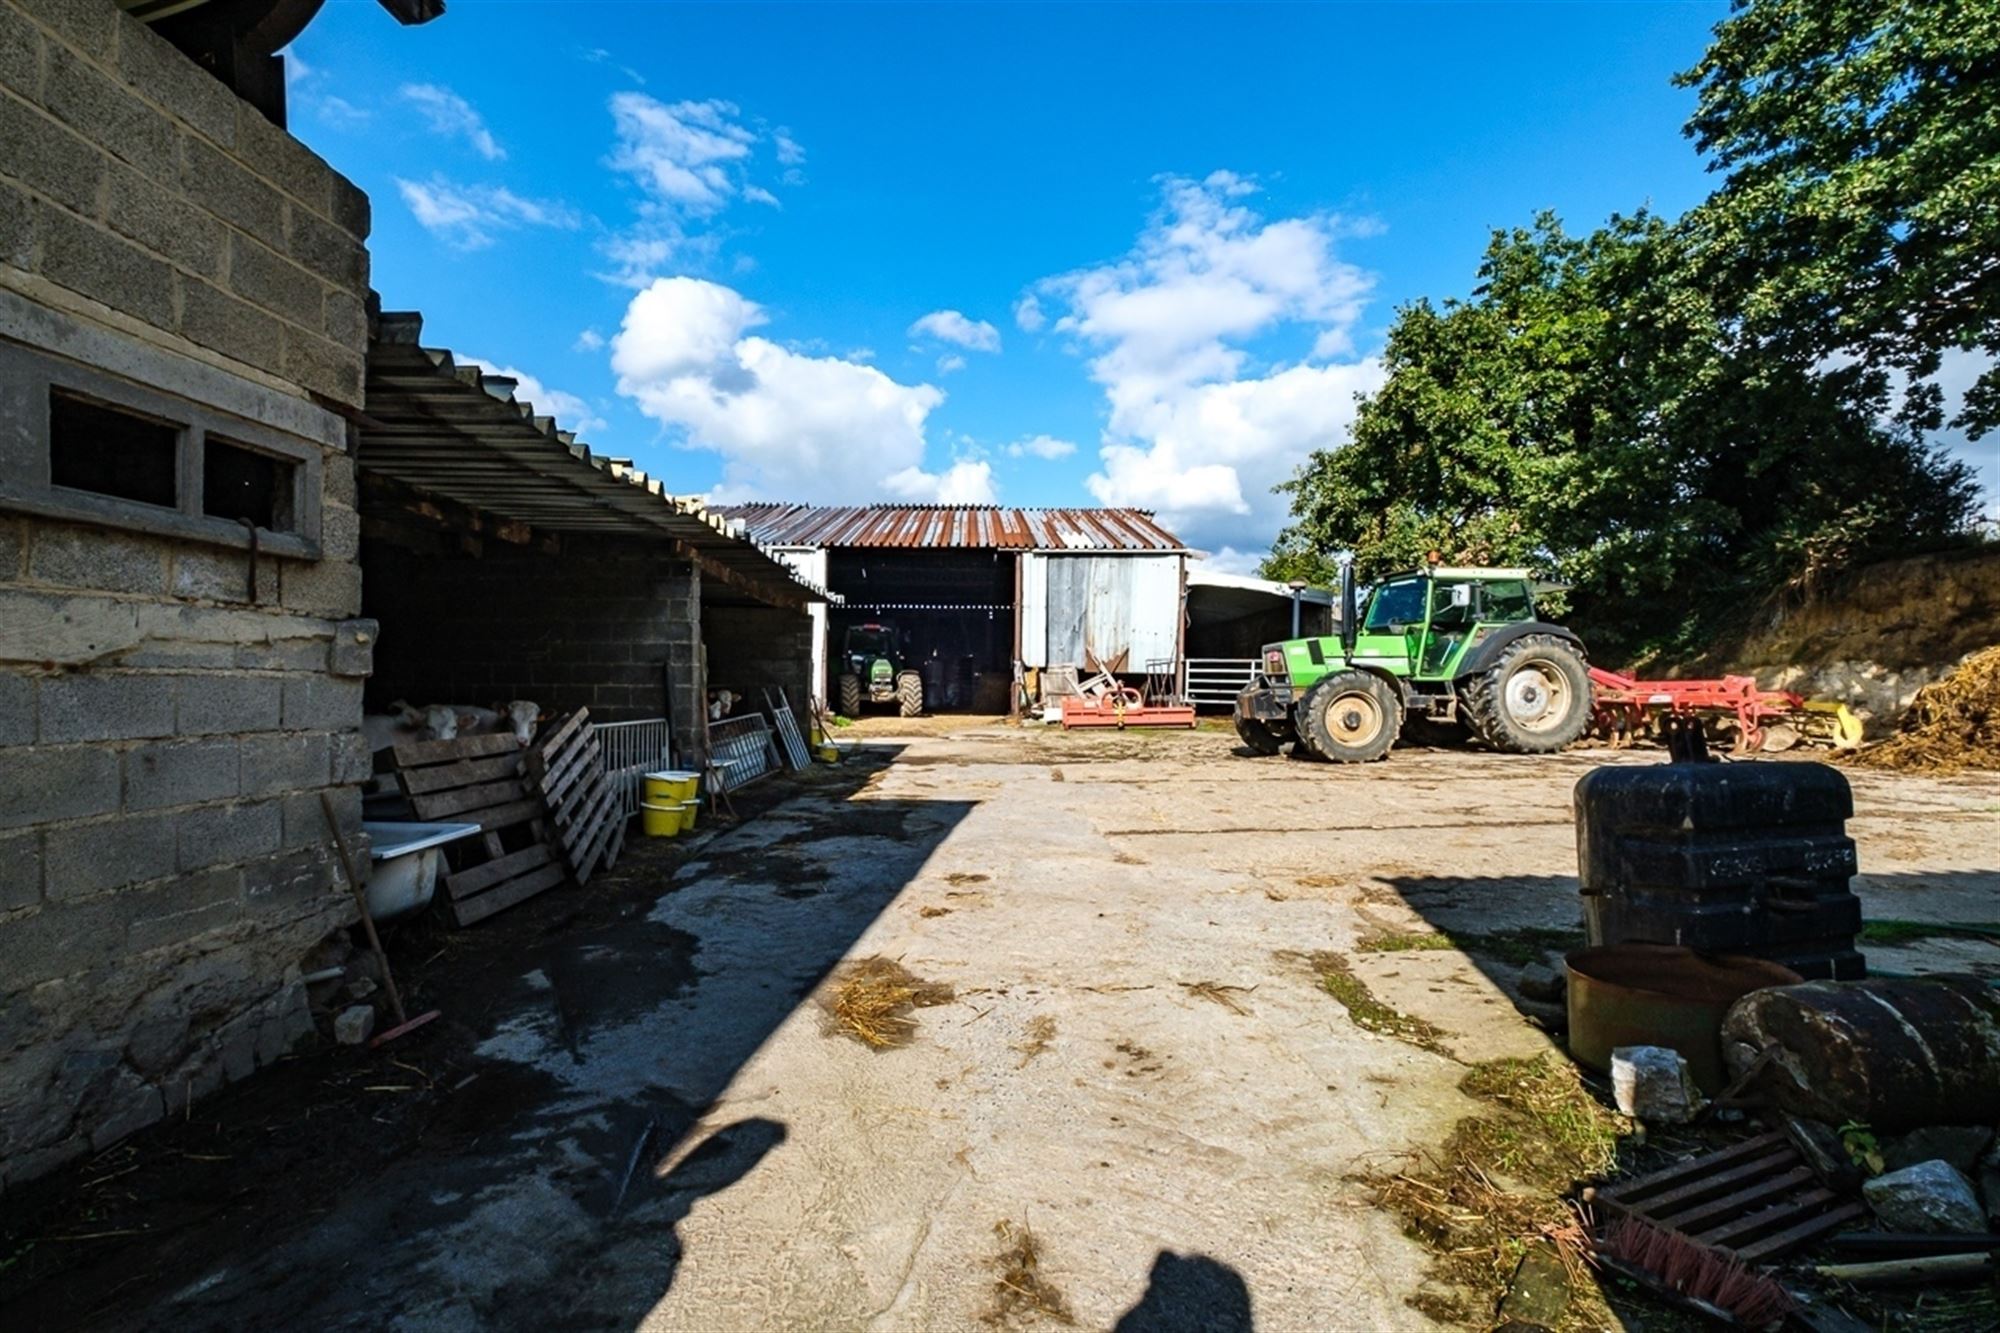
x: 1274, y: 663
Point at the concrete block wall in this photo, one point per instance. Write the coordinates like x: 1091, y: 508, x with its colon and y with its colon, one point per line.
x: 139, y: 182
x: 598, y: 626
x: 165, y: 734
x: 751, y: 648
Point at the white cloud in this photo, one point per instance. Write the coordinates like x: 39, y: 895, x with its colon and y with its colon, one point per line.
x: 682, y: 153
x: 469, y: 216
x: 570, y: 412
x: 454, y: 117
x: 952, y: 327
x: 305, y: 87
x: 965, y: 482
x: 757, y: 194
x: 1198, y: 429
x: 590, y: 340
x: 789, y: 152
x: 949, y: 362
x: 1028, y: 314
x: 1041, y: 446
x: 788, y: 425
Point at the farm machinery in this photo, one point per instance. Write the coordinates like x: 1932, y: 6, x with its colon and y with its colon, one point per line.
x: 1461, y: 650
x: 875, y: 670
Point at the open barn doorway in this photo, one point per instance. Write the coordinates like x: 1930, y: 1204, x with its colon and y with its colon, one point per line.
x: 948, y: 615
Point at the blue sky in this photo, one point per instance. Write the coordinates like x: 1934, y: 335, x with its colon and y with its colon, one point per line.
x: 1037, y: 254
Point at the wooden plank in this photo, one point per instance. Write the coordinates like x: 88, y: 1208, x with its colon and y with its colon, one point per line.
x: 572, y: 766
x: 590, y: 799
x: 585, y: 781
x: 413, y: 754
x: 564, y: 730
x: 506, y: 816
x: 475, y: 879
x: 581, y: 860
x: 1630, y: 1191
x: 617, y: 844
x: 464, y: 773
x: 469, y: 911
x: 1719, y: 1182
x: 1805, y: 1232
x: 439, y: 805
x: 1804, y: 1205
x: 1760, y: 1195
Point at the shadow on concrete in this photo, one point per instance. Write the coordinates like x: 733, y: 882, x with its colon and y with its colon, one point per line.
x: 523, y: 1162
x: 1190, y: 1293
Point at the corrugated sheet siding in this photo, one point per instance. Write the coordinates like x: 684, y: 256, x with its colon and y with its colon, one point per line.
x: 1101, y: 606
x: 977, y: 527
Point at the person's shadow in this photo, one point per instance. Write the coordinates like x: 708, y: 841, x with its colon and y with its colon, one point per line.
x: 1190, y: 1294
x: 724, y: 1157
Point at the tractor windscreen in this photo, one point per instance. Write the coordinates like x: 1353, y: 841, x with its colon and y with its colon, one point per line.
x: 871, y: 643
x: 1397, y: 603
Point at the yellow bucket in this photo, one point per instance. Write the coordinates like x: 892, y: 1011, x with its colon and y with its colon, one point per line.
x: 668, y: 808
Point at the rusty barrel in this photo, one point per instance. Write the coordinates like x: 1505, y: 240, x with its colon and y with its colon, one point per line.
x: 1895, y: 1052
x: 1660, y: 995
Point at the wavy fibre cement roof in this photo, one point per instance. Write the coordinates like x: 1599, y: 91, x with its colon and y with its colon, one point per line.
x: 457, y: 432
x: 968, y: 527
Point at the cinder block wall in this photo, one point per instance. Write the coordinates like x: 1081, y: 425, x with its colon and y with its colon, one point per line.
x: 598, y: 626
x: 751, y: 648
x: 164, y: 864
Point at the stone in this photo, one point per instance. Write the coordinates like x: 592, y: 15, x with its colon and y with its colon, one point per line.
x: 210, y: 705
x: 53, y: 161
x: 127, y: 1106
x: 1930, y: 1196
x: 73, y: 557
x: 230, y: 191
x: 218, y: 835
x: 317, y: 703
x: 286, y: 762
x: 83, y: 859
x: 96, y: 263
x: 1539, y: 981
x: 17, y: 709
x: 361, y: 988
x: 1652, y: 1083
x: 1960, y: 1145
x: 20, y: 870
x: 354, y: 1025
x: 264, y: 278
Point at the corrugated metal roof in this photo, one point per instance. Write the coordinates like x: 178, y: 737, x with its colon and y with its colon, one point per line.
x: 977, y: 527
x: 457, y: 432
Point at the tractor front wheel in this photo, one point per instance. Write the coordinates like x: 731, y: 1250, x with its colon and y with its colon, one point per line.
x: 1534, y: 700
x: 850, y: 695
x: 1350, y: 717
x: 1263, y: 738
x: 909, y: 694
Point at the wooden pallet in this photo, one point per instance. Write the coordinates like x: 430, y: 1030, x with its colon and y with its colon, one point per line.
x: 477, y: 780
x: 567, y: 769
x: 1758, y: 1200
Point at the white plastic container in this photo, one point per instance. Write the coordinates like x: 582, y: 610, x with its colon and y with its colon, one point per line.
x: 406, y: 857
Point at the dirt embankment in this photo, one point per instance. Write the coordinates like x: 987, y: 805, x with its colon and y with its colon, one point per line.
x: 1876, y: 639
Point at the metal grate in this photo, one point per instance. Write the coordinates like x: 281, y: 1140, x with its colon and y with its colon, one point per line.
x: 632, y: 750
x: 1218, y: 680
x: 740, y: 750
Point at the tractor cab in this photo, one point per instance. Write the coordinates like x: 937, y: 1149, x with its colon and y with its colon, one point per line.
x: 874, y: 670
x: 1451, y: 646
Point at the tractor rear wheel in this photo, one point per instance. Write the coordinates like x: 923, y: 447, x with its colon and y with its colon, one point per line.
x: 1534, y: 700
x: 1350, y: 717
x: 909, y: 694
x: 1262, y: 737
x: 850, y: 695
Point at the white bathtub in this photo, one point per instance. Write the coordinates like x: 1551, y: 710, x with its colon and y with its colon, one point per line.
x: 406, y: 864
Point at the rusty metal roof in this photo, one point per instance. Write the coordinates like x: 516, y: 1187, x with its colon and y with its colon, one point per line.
x: 974, y: 527
x: 454, y: 431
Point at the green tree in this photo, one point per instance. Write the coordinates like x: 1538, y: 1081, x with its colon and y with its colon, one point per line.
x: 1594, y: 411
x: 1860, y: 141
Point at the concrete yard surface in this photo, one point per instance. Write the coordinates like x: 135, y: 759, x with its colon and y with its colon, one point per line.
x: 652, y: 1122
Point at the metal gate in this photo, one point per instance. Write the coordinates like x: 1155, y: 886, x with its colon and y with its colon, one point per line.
x: 1216, y: 681
x: 631, y: 750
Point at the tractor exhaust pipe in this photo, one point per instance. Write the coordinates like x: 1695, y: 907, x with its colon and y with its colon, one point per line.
x: 1349, y: 611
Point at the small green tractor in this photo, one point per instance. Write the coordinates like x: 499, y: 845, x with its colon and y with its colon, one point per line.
x: 1423, y: 653
x: 873, y: 670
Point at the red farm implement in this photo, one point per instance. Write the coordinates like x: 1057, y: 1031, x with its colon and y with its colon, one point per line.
x: 1625, y: 708
x: 1122, y: 707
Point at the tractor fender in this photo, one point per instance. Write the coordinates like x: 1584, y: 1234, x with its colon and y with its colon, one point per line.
x: 1482, y: 657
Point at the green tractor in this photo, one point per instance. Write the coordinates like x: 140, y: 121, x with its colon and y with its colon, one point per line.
x: 1423, y: 653
x: 872, y: 671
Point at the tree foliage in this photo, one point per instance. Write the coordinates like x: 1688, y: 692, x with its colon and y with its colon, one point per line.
x: 1684, y: 418
x: 1592, y: 410
x: 1861, y: 145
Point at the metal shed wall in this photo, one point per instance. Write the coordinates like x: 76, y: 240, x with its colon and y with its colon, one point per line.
x: 1100, y: 605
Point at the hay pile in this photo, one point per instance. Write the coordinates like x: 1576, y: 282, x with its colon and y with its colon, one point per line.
x: 1020, y: 1292
x: 1952, y: 725
x: 871, y: 1001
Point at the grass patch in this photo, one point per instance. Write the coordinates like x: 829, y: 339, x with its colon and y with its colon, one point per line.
x: 1890, y: 931
x: 1337, y: 979
x: 1020, y: 1292
x: 1520, y: 946
x: 1499, y: 1184
x: 872, y: 1000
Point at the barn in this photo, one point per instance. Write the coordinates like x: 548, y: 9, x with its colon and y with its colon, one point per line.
x: 969, y: 591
